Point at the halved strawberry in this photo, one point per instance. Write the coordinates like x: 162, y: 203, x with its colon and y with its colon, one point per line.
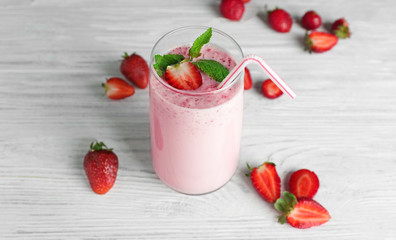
x: 184, y: 75
x: 116, y: 88
x: 248, y: 80
x: 270, y: 90
x: 266, y: 181
x: 304, y: 183
x: 301, y: 213
x: 320, y: 41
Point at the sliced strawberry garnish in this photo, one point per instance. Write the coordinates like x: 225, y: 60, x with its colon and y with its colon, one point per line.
x: 304, y: 183
x: 266, y: 181
x: 301, y: 213
x: 320, y: 41
x: 184, y: 75
x: 270, y: 90
x: 116, y: 88
x: 248, y: 80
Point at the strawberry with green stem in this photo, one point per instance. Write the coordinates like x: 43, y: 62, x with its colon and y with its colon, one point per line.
x: 341, y: 28
x: 101, y: 166
x: 301, y: 213
x: 319, y: 41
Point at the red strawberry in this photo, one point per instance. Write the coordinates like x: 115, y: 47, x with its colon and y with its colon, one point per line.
x: 320, y: 41
x: 311, y: 20
x: 304, y: 183
x: 301, y: 213
x: 135, y: 69
x: 245, y: 1
x: 280, y: 20
x: 101, y: 166
x: 341, y: 28
x: 266, y: 181
x: 232, y: 9
x: 248, y: 80
x: 116, y: 88
x: 270, y: 90
x: 184, y: 75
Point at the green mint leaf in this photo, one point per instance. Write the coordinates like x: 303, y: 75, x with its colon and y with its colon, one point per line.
x: 214, y: 69
x: 195, y: 50
x: 162, y: 62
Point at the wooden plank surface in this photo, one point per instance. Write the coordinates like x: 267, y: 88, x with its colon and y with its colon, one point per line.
x: 342, y: 125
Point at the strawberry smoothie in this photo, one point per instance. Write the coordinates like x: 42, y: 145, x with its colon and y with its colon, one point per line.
x: 195, y: 134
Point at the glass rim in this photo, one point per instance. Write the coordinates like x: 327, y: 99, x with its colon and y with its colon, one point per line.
x: 189, y: 92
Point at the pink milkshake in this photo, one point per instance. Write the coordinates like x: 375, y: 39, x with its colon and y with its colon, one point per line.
x: 195, y: 134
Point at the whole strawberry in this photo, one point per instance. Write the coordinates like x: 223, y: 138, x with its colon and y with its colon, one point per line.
x: 135, y: 69
x: 311, y: 20
x: 280, y: 20
x: 341, y: 28
x: 101, y: 166
x: 232, y: 9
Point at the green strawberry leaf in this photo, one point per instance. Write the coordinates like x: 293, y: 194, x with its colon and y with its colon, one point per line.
x: 290, y: 199
x: 195, y: 50
x: 282, y: 219
x: 162, y: 62
x: 214, y: 69
x: 97, y: 146
x: 280, y: 205
x: 342, y: 32
x: 285, y: 205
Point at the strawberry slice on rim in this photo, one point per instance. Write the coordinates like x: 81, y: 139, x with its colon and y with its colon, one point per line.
x: 184, y: 76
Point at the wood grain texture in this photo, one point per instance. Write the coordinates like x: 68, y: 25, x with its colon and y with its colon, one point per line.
x: 342, y: 125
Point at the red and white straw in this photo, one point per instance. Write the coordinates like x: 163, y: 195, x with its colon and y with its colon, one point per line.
x: 260, y: 61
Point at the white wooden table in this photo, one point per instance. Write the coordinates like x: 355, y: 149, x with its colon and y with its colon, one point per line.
x: 55, y: 54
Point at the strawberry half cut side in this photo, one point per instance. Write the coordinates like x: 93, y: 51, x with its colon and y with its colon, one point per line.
x: 304, y: 183
x: 302, y: 213
x: 266, y: 181
x: 117, y: 88
x: 320, y: 41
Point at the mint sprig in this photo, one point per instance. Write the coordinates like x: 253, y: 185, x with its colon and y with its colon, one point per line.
x: 195, y: 50
x: 214, y: 69
x: 162, y: 62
